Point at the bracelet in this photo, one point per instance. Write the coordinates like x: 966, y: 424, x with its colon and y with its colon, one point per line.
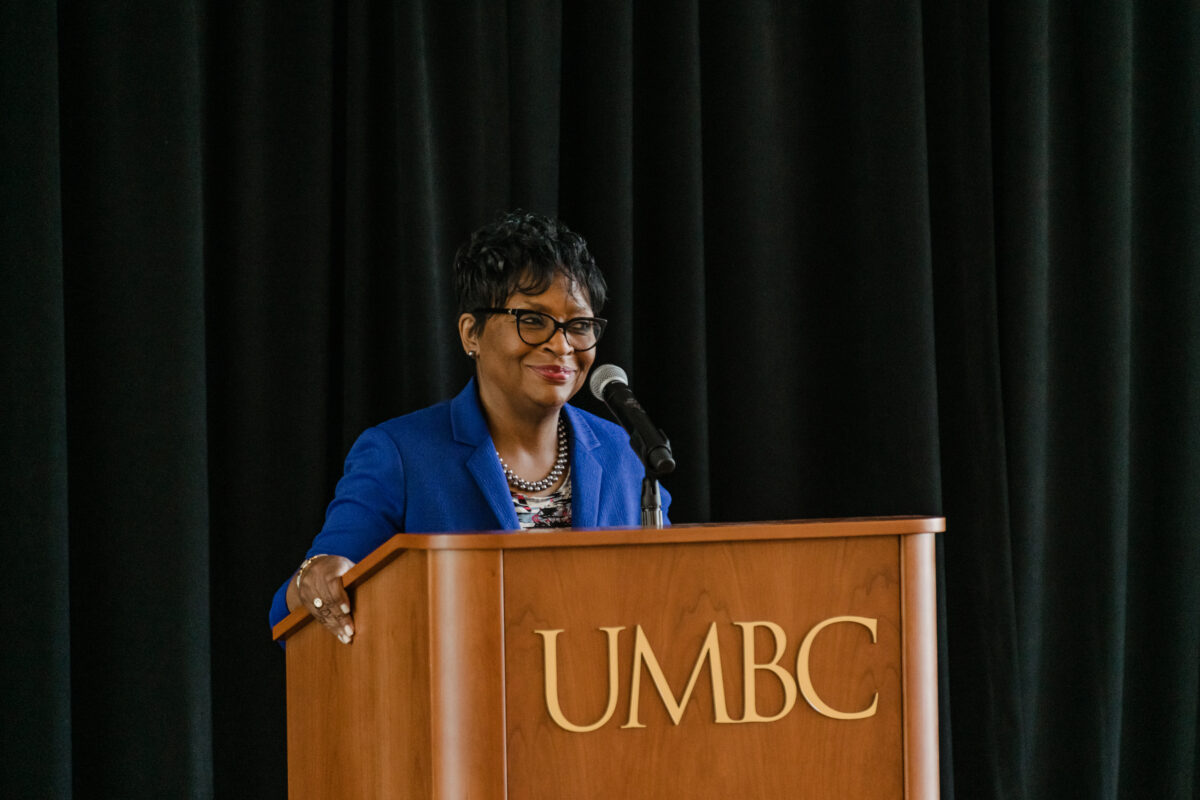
x: 305, y: 565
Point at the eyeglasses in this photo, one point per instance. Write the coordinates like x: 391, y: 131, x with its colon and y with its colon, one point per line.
x: 536, y: 328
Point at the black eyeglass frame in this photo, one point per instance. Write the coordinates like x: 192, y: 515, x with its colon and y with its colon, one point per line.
x: 599, y: 323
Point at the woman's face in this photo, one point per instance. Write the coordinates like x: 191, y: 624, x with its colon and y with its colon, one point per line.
x: 529, y: 380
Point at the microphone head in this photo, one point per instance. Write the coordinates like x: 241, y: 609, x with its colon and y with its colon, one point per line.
x: 603, y: 375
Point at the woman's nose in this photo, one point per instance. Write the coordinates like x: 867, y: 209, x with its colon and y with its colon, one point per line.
x: 558, y: 343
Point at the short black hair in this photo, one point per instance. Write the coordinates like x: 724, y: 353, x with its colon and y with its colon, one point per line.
x: 523, y: 252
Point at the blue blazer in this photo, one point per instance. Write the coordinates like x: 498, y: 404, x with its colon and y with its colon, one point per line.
x: 436, y: 470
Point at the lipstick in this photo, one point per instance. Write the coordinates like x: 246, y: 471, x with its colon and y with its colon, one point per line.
x: 554, y: 373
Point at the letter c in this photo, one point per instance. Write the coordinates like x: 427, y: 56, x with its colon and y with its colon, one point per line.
x: 804, y: 678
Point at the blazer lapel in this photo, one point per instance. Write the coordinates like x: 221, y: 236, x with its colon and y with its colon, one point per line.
x: 485, y: 468
x: 470, y: 428
x: 586, y: 473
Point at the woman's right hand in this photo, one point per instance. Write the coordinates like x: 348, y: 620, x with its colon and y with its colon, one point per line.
x: 317, y: 585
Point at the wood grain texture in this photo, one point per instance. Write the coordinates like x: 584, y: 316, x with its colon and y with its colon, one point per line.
x: 442, y: 693
x: 922, y: 779
x: 466, y: 658
x: 675, y: 592
x: 607, y: 537
x: 359, y: 715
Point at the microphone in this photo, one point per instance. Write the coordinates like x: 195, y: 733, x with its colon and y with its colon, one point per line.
x: 610, y: 384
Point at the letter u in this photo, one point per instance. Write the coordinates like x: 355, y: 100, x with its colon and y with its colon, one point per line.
x: 550, y: 660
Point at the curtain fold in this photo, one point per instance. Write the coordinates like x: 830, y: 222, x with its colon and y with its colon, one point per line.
x: 1160, y: 751
x: 275, y: 305
x: 922, y: 257
x: 35, y: 673
x: 670, y: 289
x: 130, y: 104
x: 976, y: 580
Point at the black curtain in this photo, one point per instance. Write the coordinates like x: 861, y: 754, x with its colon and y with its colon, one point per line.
x: 866, y: 258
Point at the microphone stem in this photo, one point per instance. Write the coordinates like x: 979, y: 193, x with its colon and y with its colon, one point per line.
x: 652, y: 516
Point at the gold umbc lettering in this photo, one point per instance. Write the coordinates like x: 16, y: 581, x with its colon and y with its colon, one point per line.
x: 750, y: 667
x: 710, y: 652
x: 804, y: 676
x: 550, y: 662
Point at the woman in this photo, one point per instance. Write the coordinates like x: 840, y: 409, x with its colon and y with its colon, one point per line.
x: 507, y: 452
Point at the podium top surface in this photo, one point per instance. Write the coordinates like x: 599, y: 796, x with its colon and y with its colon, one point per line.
x: 609, y: 537
x: 674, y: 534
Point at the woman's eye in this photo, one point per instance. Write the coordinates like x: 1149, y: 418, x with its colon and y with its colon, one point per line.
x: 581, y: 328
x: 534, y: 322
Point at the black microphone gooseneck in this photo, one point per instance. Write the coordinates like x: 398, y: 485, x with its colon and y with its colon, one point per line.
x: 610, y: 384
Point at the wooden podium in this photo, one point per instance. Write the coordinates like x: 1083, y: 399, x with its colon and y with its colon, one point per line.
x: 777, y: 660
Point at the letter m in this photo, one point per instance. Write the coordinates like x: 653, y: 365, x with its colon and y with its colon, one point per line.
x: 643, y: 655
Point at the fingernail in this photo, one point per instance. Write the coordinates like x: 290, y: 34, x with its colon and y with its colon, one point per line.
x: 345, y: 608
x: 317, y: 603
x: 349, y: 630
x: 343, y: 638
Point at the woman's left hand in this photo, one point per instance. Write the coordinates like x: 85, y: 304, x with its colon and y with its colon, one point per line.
x: 317, y: 585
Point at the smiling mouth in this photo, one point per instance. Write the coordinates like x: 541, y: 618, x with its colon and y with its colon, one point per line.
x: 555, y: 372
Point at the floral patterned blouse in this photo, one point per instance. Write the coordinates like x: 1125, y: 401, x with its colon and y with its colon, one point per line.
x: 551, y: 511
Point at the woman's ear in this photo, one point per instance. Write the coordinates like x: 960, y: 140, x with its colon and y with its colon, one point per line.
x: 466, y: 332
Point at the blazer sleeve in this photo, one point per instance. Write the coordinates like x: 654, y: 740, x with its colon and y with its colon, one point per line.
x: 367, y: 508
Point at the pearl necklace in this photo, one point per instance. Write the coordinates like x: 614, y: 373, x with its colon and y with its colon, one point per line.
x: 560, y: 464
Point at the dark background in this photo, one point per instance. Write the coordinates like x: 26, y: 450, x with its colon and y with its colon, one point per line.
x: 866, y: 258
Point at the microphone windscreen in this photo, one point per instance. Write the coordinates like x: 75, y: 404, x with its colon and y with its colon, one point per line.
x: 603, y: 375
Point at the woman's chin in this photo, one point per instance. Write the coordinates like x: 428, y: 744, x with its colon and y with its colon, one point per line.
x: 553, y: 395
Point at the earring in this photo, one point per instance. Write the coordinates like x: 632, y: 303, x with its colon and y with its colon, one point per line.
x: 471, y: 354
